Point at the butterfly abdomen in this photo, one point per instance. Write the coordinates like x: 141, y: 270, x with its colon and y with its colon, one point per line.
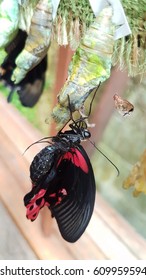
x: 42, y: 163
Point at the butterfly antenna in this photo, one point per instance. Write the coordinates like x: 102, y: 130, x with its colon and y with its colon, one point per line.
x: 42, y: 140
x: 90, y: 108
x: 118, y: 172
x: 69, y: 107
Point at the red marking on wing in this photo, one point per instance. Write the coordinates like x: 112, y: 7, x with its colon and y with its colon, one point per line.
x: 76, y: 158
x: 32, y: 207
x: 61, y: 195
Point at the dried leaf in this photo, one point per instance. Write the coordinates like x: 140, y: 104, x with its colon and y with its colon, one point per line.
x: 123, y: 106
x: 137, y: 177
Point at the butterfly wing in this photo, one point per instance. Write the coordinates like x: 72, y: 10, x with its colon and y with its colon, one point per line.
x: 32, y: 86
x: 75, y: 176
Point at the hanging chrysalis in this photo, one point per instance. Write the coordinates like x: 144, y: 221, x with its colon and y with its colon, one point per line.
x: 137, y: 177
x: 9, y: 18
x: 38, y: 40
x: 91, y: 65
x: 123, y: 106
x: 26, y: 10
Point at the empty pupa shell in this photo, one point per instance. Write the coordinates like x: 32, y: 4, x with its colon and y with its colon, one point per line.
x: 90, y: 65
x: 38, y: 40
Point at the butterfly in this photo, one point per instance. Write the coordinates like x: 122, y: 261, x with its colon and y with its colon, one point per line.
x: 63, y: 180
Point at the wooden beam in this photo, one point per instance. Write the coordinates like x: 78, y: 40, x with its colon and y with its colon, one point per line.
x: 64, y: 57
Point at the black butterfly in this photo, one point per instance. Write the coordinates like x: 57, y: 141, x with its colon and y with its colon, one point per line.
x: 63, y: 180
x: 31, y: 87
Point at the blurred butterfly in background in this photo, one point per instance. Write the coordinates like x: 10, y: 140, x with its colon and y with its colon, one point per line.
x: 31, y: 87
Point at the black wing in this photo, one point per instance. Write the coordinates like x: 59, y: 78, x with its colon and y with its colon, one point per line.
x: 32, y: 86
x: 75, y: 178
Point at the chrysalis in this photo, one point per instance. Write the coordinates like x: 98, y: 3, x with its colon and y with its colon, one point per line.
x: 91, y: 65
x: 9, y: 19
x: 38, y: 40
